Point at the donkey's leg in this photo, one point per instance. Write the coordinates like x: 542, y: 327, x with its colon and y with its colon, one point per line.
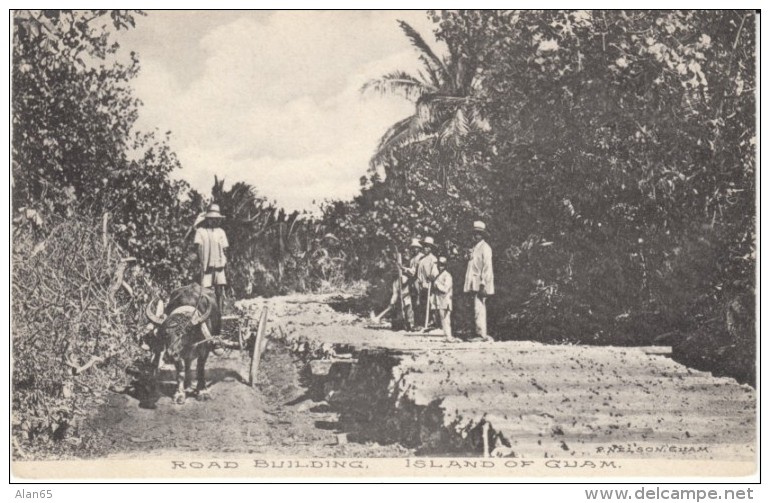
x: 188, y: 374
x: 155, y: 372
x: 180, y: 379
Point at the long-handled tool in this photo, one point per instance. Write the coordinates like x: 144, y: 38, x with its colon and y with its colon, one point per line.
x: 376, y: 319
x: 401, y: 305
x: 427, y: 307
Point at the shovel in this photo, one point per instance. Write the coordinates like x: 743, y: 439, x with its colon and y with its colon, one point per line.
x: 376, y: 319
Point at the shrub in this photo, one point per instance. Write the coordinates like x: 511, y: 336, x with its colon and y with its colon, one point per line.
x: 77, y: 303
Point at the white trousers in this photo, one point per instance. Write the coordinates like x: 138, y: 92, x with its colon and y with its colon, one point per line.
x: 480, y: 315
x: 445, y: 316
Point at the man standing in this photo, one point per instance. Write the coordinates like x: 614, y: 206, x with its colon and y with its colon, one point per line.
x: 414, y: 288
x: 212, y: 243
x: 442, y: 298
x: 426, y: 273
x: 479, y: 278
x: 402, y: 299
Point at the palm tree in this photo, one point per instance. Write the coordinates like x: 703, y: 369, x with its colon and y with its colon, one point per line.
x: 262, y: 236
x: 442, y: 91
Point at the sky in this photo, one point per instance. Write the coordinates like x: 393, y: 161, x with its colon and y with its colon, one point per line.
x: 272, y: 98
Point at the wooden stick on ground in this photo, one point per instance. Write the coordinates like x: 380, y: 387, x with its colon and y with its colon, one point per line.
x: 257, y: 348
x: 401, y: 304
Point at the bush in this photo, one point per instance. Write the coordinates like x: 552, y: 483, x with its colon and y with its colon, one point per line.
x: 77, y: 303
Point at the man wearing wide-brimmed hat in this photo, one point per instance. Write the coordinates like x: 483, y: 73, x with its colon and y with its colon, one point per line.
x: 426, y: 273
x: 479, y: 277
x: 212, y: 243
x: 415, y: 247
x: 417, y: 254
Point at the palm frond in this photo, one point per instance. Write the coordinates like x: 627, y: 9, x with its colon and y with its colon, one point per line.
x: 397, y: 142
x: 446, y: 99
x: 454, y: 129
x: 432, y: 110
x: 407, y: 131
x: 435, y: 76
x: 397, y: 129
x: 431, y: 77
x: 427, y: 56
x: 478, y: 121
x: 398, y: 83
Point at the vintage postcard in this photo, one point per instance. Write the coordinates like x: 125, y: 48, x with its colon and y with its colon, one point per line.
x: 499, y: 244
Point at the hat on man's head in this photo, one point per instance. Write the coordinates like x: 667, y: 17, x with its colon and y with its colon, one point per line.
x: 415, y: 243
x: 214, y: 212
x: 429, y: 242
x: 479, y: 226
x: 442, y: 260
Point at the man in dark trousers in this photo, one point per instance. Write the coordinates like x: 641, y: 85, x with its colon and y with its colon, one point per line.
x: 414, y: 289
x: 426, y: 273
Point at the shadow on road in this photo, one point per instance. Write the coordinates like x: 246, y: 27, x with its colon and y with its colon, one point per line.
x: 145, y: 391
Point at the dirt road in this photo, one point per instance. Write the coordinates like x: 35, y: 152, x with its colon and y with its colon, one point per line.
x: 277, y: 417
x: 331, y: 386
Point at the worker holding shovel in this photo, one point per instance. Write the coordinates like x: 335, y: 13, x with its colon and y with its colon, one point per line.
x: 414, y: 288
x: 400, y: 301
x: 426, y: 273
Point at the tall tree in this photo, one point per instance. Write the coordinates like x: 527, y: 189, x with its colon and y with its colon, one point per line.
x: 75, y: 149
x: 72, y: 114
x: 618, y: 173
x: 443, y: 95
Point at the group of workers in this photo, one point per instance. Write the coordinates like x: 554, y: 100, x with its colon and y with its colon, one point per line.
x: 423, y: 289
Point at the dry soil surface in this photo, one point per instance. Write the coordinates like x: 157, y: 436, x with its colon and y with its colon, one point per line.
x: 527, y: 399
x: 276, y: 417
x: 532, y: 400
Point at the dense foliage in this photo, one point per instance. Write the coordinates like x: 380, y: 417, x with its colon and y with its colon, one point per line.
x: 78, y: 313
x: 612, y: 155
x: 100, y: 225
x: 272, y: 251
x: 75, y: 148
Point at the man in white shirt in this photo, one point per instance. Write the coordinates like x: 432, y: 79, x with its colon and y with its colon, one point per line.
x: 479, y: 278
x: 211, y: 242
x: 442, y: 298
x: 426, y: 273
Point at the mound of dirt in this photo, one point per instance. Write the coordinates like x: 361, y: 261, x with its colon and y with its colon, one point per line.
x: 279, y: 416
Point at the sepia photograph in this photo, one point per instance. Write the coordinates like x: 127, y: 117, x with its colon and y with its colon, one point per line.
x: 383, y: 244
